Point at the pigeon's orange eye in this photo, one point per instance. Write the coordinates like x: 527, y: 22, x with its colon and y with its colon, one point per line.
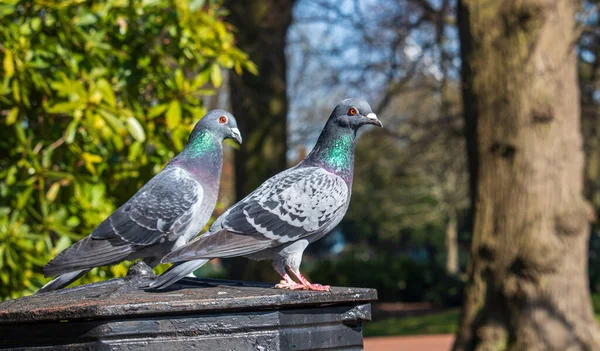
x: 352, y: 111
x: 223, y: 119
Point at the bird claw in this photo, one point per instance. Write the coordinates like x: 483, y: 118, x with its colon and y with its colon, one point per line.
x: 317, y: 287
x: 290, y: 286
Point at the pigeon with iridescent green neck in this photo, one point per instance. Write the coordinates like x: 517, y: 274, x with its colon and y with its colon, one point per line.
x: 163, y: 215
x: 281, y: 217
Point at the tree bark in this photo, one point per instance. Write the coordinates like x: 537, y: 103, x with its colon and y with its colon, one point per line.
x: 528, y: 287
x: 259, y: 104
x: 452, y: 264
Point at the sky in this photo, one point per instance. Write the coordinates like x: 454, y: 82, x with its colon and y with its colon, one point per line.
x: 353, y: 48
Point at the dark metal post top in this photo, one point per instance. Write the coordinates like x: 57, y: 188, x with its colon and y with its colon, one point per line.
x: 125, y: 297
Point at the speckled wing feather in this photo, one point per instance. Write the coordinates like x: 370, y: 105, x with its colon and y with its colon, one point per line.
x: 163, y: 207
x: 302, y: 202
x: 292, y: 205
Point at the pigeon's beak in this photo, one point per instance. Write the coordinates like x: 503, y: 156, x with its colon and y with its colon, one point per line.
x: 236, y: 135
x: 372, y: 119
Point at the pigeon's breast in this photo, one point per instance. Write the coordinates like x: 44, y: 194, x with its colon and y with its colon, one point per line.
x: 207, y: 192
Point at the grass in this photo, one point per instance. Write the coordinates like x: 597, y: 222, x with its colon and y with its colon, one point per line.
x: 445, y: 322
x: 434, y: 323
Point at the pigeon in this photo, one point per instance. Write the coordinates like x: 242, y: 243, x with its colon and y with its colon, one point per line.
x: 163, y: 215
x: 287, y: 212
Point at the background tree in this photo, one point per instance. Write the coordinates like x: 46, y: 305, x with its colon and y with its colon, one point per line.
x: 589, y: 83
x: 403, y: 57
x: 95, y: 97
x: 260, y: 103
x: 528, y: 285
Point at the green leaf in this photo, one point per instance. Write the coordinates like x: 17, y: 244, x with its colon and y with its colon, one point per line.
x: 64, y: 107
x: 112, y: 120
x: 9, y: 64
x: 215, y: 75
x: 10, y: 175
x: 206, y: 92
x: 135, y: 151
x: 6, y: 9
x: 36, y: 23
x: 149, y: 3
x: 89, y: 160
x: 201, y: 79
x: 178, y: 138
x: 196, y: 5
x: 225, y: 61
x: 73, y: 221
x: 179, y: 79
x: 135, y: 129
x: 16, y: 90
x: 12, y: 115
x: 47, y: 157
x: 23, y: 197
x: 52, y: 192
x: 85, y: 20
x: 107, y: 93
x: 251, y: 67
x: 71, y: 131
x: 118, y: 142
x: 173, y: 115
x: 157, y: 110
x: 20, y: 132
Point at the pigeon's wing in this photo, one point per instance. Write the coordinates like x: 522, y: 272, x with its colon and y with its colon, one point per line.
x: 163, y: 207
x: 303, y: 202
x: 292, y: 205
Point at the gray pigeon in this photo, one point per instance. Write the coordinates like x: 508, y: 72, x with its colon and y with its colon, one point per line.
x: 281, y: 217
x: 163, y: 215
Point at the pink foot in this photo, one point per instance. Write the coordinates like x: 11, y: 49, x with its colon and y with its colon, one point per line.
x: 317, y: 287
x: 290, y: 286
x: 287, y: 282
x: 308, y: 285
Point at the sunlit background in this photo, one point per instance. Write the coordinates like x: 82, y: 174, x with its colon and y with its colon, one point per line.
x: 96, y: 97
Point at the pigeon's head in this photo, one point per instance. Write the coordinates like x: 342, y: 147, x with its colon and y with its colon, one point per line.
x: 354, y: 113
x: 221, y: 123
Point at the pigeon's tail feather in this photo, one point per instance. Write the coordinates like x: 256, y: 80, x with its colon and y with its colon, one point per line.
x: 223, y: 244
x: 86, y: 254
x: 62, y: 280
x: 175, y: 273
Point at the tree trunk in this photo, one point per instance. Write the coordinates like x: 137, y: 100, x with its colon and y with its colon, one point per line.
x: 259, y: 104
x: 452, y: 244
x: 528, y: 287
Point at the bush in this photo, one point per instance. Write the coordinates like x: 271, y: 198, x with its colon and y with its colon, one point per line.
x: 96, y: 97
x: 396, y: 278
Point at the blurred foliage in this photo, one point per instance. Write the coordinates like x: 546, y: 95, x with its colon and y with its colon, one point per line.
x: 396, y: 278
x: 413, y: 192
x: 95, y: 97
x: 594, y: 265
x: 596, y: 302
x: 404, y: 199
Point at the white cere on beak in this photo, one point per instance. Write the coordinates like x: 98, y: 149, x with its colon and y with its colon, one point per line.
x: 372, y: 116
x: 236, y: 132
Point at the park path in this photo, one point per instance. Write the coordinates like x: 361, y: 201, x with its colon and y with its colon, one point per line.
x: 441, y: 342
